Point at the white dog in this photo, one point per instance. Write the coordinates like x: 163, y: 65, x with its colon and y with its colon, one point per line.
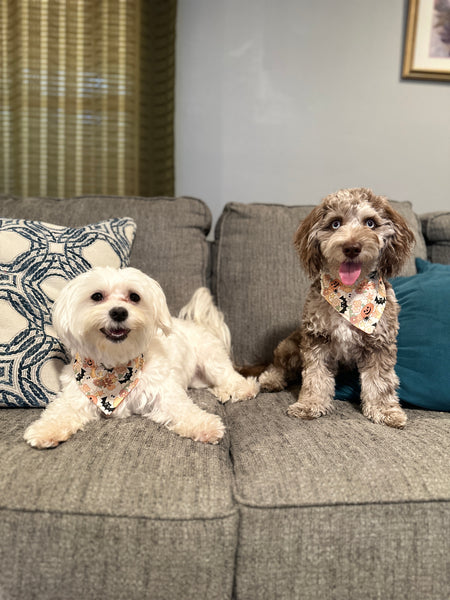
x: 129, y: 356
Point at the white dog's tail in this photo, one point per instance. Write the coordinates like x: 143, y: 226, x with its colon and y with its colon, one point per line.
x: 202, y: 310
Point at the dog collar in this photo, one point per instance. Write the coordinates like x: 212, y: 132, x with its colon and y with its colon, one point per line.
x: 106, y: 388
x: 361, y: 304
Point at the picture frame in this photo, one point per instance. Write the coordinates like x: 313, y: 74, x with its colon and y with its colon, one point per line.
x: 427, y: 40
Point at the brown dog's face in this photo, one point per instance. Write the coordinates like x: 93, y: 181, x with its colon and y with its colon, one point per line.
x: 351, y: 234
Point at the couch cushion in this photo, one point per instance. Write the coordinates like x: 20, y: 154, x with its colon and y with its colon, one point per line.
x: 339, y: 507
x: 125, y: 509
x: 170, y: 243
x: 259, y: 283
x: 36, y: 260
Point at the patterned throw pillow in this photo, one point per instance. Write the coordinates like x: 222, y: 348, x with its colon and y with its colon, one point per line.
x: 36, y: 259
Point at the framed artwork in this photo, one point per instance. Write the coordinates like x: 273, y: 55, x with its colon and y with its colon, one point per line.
x: 427, y: 41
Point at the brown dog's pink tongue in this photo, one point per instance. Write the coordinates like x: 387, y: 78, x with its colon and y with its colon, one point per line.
x: 349, y: 272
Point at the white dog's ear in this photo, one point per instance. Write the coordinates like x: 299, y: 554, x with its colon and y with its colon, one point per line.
x: 62, y: 312
x: 158, y: 303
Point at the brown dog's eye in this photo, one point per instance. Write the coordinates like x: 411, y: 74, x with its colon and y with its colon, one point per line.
x: 97, y: 297
x: 370, y: 223
x: 336, y: 224
x: 134, y: 297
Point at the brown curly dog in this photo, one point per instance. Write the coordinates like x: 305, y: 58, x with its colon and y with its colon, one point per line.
x: 349, y: 245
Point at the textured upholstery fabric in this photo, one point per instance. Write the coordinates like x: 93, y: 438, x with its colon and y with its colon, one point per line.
x: 152, y: 511
x: 339, y: 508
x: 281, y: 461
x: 258, y: 281
x: 348, y: 552
x: 170, y: 243
x: 436, y: 229
x: 258, y: 278
x: 76, y: 557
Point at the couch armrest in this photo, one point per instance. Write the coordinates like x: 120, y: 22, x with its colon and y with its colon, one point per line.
x: 436, y: 231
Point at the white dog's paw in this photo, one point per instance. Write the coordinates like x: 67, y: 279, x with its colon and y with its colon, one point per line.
x: 201, y: 426
x: 241, y: 389
x: 45, y: 435
x: 211, y: 431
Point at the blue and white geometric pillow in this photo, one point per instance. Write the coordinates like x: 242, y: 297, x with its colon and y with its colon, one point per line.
x: 36, y: 260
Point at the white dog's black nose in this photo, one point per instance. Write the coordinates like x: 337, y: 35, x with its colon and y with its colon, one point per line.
x: 118, y: 314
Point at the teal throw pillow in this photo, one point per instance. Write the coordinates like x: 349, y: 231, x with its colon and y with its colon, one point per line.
x: 424, y: 336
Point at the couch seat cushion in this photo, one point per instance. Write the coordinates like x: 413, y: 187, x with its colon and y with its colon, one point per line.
x: 124, y: 509
x: 337, y: 459
x: 339, y: 507
x: 100, y: 469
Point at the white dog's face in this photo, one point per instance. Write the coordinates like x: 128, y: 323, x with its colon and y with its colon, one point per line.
x: 110, y: 315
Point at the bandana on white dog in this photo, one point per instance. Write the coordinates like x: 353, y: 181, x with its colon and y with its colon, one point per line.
x: 362, y: 305
x: 106, y: 388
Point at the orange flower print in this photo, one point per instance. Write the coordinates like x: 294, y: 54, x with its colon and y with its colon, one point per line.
x: 108, y: 381
x: 356, y: 307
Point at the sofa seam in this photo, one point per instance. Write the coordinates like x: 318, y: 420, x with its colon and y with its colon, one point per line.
x: 218, y: 257
x: 241, y: 503
x: 233, y: 513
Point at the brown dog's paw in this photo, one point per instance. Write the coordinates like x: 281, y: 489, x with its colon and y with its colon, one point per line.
x: 391, y: 415
x: 310, y: 410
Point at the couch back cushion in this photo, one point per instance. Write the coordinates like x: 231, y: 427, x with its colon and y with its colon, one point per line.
x: 258, y: 281
x: 170, y: 243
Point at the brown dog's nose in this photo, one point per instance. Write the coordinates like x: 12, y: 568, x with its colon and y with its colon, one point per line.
x: 352, y: 250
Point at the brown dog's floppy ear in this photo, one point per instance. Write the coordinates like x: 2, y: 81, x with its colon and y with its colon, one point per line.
x: 307, y: 243
x: 398, y: 246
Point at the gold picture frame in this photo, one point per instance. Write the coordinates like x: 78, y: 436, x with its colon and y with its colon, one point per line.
x: 427, y: 40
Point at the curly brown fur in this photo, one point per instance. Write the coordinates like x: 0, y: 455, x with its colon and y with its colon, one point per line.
x: 373, y: 234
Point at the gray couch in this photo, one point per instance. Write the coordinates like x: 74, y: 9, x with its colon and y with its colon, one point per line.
x: 333, y: 509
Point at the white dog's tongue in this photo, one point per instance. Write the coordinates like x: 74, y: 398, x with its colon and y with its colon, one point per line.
x: 349, y: 272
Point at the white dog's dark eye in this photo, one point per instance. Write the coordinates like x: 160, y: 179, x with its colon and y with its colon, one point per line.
x: 370, y: 223
x: 97, y: 297
x: 336, y: 224
x: 134, y: 297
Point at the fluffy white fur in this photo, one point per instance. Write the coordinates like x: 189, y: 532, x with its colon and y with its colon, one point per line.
x: 192, y: 351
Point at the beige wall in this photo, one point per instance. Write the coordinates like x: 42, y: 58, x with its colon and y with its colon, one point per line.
x: 285, y: 101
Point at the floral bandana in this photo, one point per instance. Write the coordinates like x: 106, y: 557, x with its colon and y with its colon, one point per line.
x: 362, y: 304
x: 106, y: 388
